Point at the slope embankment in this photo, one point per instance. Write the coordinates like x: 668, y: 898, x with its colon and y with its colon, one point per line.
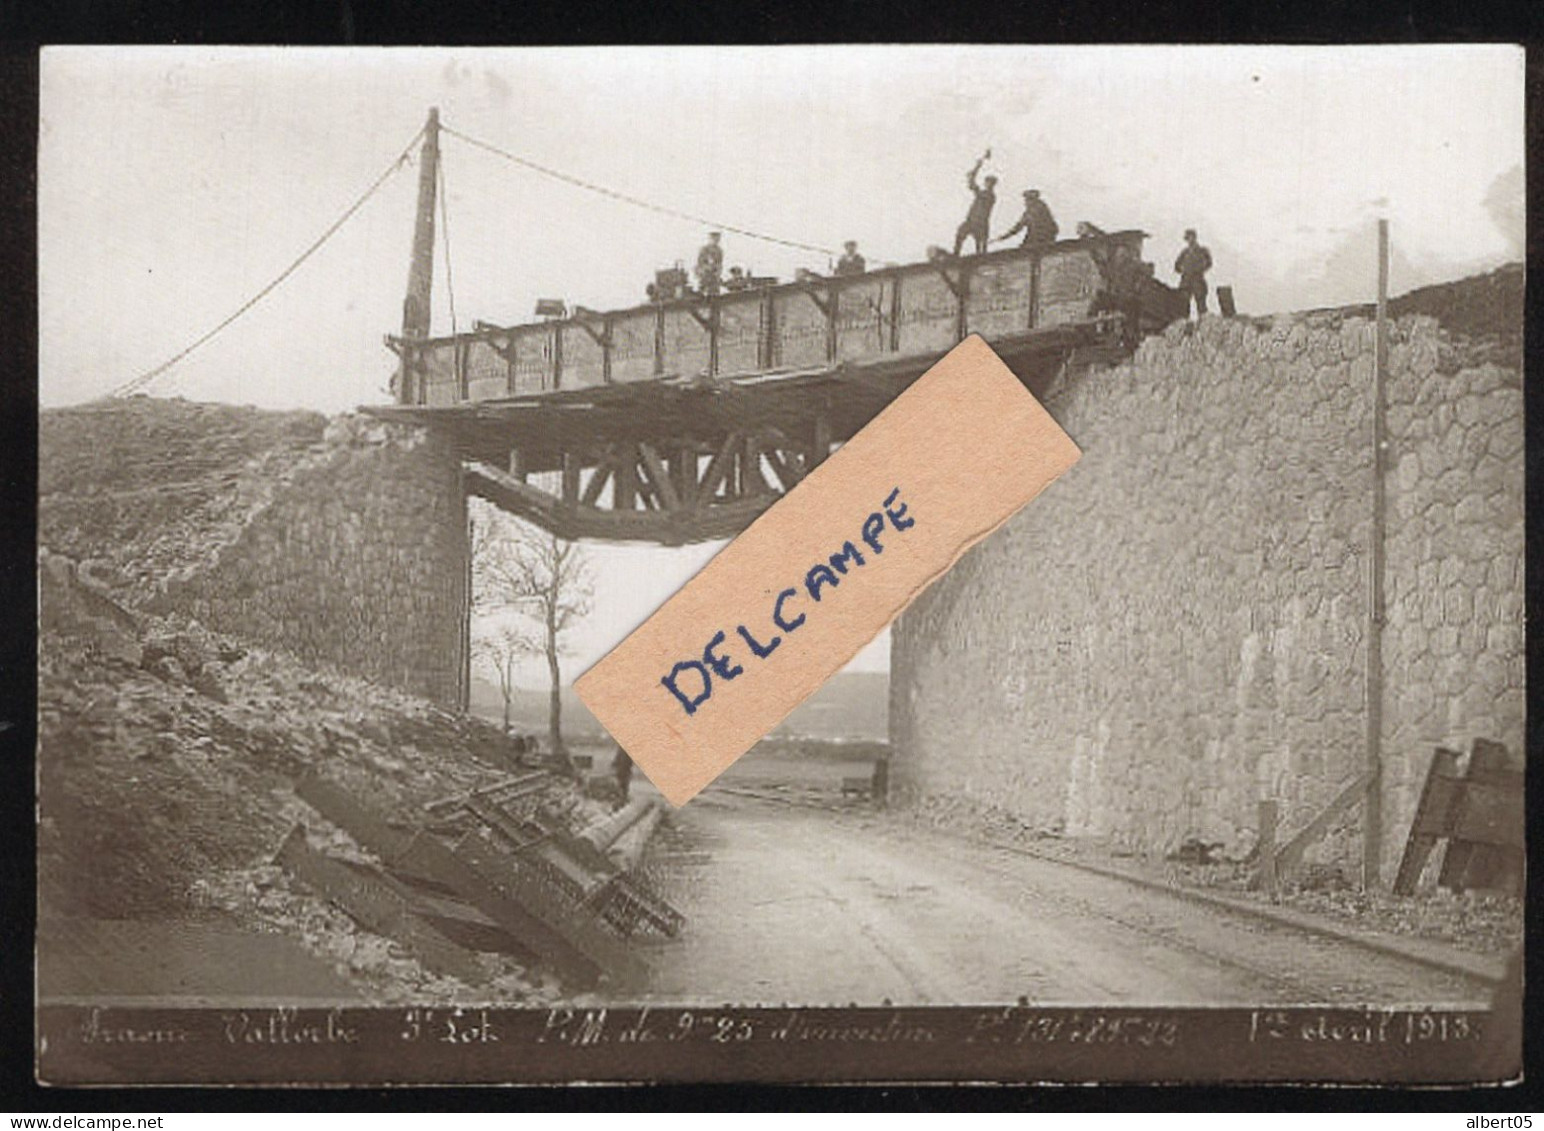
x: 230, y: 599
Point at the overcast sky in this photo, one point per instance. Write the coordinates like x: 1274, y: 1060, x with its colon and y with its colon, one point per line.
x: 174, y: 183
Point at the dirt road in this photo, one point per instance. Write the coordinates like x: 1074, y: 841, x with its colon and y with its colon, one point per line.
x: 788, y: 904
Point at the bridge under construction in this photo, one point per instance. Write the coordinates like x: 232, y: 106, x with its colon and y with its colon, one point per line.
x: 682, y: 420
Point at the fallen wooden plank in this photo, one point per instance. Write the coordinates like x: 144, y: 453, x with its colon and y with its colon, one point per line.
x: 517, y: 791
x: 526, y: 887
x: 540, y: 914
x: 1485, y: 840
x: 378, y: 903
x: 465, y: 924
x: 534, y: 922
x: 1291, y: 853
x: 336, y: 804
x: 580, y: 872
x: 1489, y: 815
x: 532, y: 781
x: 1431, y: 820
x: 519, y: 833
x: 1492, y: 763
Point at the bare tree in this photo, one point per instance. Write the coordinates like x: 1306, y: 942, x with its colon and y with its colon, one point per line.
x: 501, y: 648
x: 543, y: 579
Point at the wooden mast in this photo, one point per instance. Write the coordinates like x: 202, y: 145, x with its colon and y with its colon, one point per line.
x: 420, y: 274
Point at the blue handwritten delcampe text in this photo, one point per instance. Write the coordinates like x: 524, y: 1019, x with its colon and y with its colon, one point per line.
x: 691, y: 681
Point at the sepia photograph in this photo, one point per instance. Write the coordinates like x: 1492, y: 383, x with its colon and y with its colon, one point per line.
x: 383, y: 393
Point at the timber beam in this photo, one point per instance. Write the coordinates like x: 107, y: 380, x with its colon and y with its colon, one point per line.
x: 674, y: 462
x: 709, y: 520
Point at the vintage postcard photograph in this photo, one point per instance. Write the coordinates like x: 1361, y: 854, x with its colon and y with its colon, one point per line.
x: 383, y: 393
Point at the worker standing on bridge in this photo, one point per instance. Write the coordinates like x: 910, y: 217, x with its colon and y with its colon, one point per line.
x: 977, y: 225
x: 1191, y: 267
x: 1037, y: 223
x: 710, y: 266
x: 851, y: 263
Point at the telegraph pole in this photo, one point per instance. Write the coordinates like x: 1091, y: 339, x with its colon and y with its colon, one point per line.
x: 420, y: 274
x: 1372, y: 808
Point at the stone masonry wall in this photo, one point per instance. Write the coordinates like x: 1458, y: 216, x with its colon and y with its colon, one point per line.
x: 356, y: 557
x: 1177, y: 628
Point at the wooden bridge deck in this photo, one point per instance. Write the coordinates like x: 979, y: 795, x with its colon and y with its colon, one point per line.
x: 682, y: 421
x: 687, y: 461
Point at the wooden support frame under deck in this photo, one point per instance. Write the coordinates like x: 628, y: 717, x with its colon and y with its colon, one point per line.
x: 659, y: 478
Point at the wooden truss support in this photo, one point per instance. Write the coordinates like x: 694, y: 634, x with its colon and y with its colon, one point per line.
x: 752, y: 482
x: 683, y: 473
x: 601, y: 337
x: 658, y: 491
x: 820, y: 442
x: 767, y: 339
x: 498, y: 338
x: 598, y: 480
x: 826, y: 306
x: 957, y: 286
x: 788, y: 470
x: 719, y: 468
x: 659, y: 479
x: 625, y: 493
x: 648, y: 498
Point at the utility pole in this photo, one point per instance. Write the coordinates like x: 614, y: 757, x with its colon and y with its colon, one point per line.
x: 1372, y: 808
x: 420, y: 274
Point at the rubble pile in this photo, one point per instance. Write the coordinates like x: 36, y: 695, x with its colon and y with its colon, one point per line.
x: 1483, y: 307
x: 141, y: 491
x: 157, y: 720
x: 339, y: 541
x: 167, y: 760
x: 226, y: 594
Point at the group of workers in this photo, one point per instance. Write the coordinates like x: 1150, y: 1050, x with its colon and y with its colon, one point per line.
x: 1040, y: 229
x: 1035, y: 221
x: 673, y: 283
x: 712, y: 280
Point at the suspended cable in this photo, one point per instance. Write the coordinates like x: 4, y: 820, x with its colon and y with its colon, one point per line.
x: 132, y: 386
x: 450, y: 283
x: 625, y: 198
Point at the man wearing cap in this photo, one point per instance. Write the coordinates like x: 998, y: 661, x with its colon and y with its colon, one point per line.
x: 710, y: 265
x: 978, y: 219
x: 1191, y: 266
x: 851, y: 263
x: 1037, y: 223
